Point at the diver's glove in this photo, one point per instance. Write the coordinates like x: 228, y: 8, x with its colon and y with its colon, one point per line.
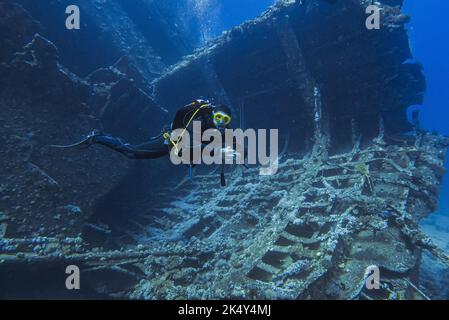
x: 231, y: 154
x: 85, y: 143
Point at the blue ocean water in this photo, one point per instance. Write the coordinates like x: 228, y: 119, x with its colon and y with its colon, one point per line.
x: 234, y: 12
x: 221, y: 15
x: 429, y: 39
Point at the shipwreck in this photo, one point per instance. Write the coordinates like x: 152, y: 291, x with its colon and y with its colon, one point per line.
x: 355, y: 175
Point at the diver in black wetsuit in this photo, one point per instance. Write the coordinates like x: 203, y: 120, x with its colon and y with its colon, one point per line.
x: 210, y: 116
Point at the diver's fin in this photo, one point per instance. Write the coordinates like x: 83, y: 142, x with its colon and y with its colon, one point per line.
x: 85, y: 143
x: 82, y: 144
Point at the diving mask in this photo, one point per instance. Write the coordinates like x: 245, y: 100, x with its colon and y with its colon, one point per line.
x: 220, y: 118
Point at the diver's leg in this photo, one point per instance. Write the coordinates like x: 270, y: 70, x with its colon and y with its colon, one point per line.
x: 149, y: 150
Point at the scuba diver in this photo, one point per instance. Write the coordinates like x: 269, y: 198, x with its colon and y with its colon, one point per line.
x: 211, y: 117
